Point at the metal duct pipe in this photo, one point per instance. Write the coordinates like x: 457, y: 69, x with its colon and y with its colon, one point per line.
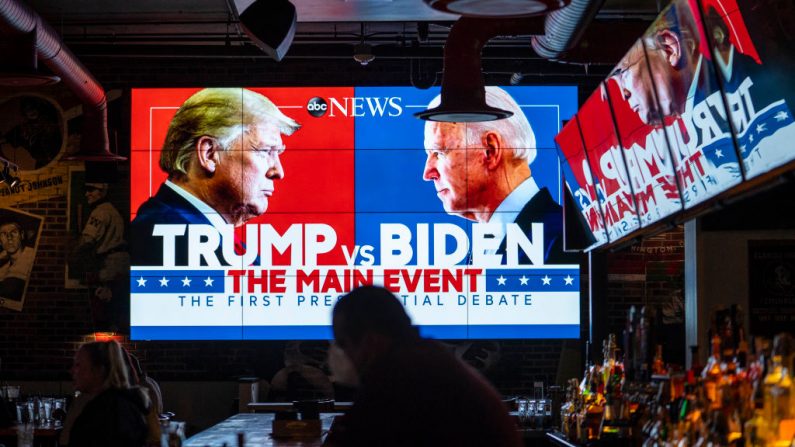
x: 463, y: 97
x: 16, y: 17
x: 564, y: 28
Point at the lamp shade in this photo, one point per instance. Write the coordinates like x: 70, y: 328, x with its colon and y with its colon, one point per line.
x: 463, y: 97
x: 496, y: 8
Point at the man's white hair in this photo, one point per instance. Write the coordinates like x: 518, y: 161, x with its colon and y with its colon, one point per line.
x: 515, y: 131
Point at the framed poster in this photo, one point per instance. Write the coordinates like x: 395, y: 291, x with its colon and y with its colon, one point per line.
x: 19, y: 238
x: 771, y: 286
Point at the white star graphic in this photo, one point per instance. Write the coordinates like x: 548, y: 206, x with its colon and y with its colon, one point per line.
x: 523, y: 280
x: 742, y: 149
x: 163, y: 282
x: 751, y: 138
x: 546, y: 279
x: 208, y: 282
x: 781, y: 116
x: 761, y: 127
x: 569, y: 280
x: 141, y: 282
x: 718, y: 153
x: 501, y: 280
x: 186, y: 282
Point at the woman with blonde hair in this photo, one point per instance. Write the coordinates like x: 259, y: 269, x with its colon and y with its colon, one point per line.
x: 116, y: 413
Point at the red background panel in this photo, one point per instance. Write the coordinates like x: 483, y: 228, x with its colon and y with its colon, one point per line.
x: 599, y: 134
x: 320, y: 180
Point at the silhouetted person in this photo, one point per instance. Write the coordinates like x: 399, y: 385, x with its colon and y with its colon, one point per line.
x: 412, y: 391
x: 114, y: 413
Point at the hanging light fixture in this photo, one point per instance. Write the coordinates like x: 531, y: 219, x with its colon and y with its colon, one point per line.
x: 363, y: 52
x: 496, y: 8
x: 463, y: 97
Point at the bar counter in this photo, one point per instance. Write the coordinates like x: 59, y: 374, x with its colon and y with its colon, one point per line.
x: 257, y: 428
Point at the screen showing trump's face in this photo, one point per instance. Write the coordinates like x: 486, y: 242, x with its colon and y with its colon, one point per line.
x: 246, y: 171
x: 632, y: 75
x: 452, y: 168
x: 666, y: 67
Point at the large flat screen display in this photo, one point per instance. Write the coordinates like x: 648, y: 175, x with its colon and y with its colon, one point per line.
x: 606, y: 159
x: 253, y: 210
x: 683, y: 97
x: 750, y: 43
x: 650, y: 164
x: 579, y: 179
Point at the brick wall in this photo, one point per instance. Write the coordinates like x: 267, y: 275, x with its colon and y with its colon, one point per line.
x: 650, y: 274
x: 38, y: 343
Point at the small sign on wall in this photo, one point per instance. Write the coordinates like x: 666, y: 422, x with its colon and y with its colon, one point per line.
x: 771, y: 286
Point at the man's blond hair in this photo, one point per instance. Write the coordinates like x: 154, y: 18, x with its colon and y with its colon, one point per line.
x: 221, y: 113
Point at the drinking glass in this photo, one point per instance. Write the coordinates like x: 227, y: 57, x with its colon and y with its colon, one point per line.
x: 24, y: 414
x: 32, y: 410
x: 25, y: 434
x: 59, y: 410
x: 46, y: 410
x: 540, y: 413
x: 38, y: 410
x: 521, y: 409
x: 174, y: 434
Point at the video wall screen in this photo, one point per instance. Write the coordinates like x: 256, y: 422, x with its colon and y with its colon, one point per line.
x: 253, y: 210
x: 607, y: 163
x: 580, y: 181
x: 750, y: 43
x: 650, y: 164
x: 690, y: 104
x: 700, y: 103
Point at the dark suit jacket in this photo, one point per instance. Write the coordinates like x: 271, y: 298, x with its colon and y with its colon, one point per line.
x: 543, y: 209
x: 165, y: 207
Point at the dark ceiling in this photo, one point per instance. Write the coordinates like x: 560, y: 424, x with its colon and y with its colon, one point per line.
x: 326, y: 29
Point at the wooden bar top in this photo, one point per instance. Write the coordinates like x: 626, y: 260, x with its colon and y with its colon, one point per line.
x: 44, y: 431
x: 271, y: 407
x: 257, y: 428
x: 558, y: 439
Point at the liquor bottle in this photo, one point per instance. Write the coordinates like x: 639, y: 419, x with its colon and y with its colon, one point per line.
x: 712, y: 373
x: 742, y: 350
x: 755, y: 430
x: 773, y: 377
x: 658, y: 366
x: 568, y: 411
x: 629, y: 343
x: 695, y: 365
x: 609, y: 349
x: 784, y: 419
x: 644, y: 326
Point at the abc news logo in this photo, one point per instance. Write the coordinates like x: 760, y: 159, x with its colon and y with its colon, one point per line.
x: 317, y: 107
x: 358, y: 106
